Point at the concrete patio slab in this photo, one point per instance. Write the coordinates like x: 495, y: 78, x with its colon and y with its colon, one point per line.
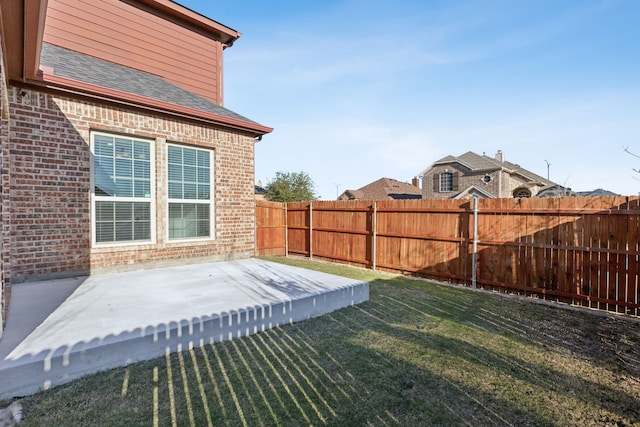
x: 60, y: 330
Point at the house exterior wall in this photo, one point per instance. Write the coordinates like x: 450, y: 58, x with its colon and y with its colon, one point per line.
x: 4, y: 134
x: 501, y: 183
x: 118, y: 32
x: 46, y: 188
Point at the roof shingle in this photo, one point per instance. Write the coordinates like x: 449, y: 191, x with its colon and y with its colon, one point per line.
x: 87, y: 69
x: 385, y: 189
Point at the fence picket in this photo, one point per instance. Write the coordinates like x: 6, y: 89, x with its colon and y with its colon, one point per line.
x: 579, y: 250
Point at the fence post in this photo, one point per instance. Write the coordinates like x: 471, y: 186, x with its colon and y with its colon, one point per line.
x: 286, y: 230
x: 474, y: 259
x: 374, y: 236
x: 310, y: 230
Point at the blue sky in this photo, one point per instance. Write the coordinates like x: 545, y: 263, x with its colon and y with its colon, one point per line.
x: 359, y: 89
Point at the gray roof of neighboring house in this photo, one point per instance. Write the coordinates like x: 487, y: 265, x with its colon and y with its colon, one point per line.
x: 596, y: 193
x: 555, y: 190
x: 384, y: 189
x: 473, y: 189
x: 87, y: 69
x: 477, y: 162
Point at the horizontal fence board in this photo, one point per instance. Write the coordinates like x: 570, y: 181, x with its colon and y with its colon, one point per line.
x: 581, y: 250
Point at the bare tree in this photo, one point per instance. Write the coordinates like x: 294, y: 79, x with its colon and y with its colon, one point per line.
x: 634, y: 155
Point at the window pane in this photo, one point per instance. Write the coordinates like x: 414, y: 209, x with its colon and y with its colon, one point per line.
x: 189, y: 157
x: 117, y: 162
x: 189, y: 191
x: 187, y: 168
x: 189, y: 174
x: 103, y: 145
x: 175, y: 172
x: 203, y: 159
x: 141, y: 189
x: 203, y: 228
x: 142, y: 231
x: 124, y: 168
x: 175, y: 154
x: 189, y: 212
x: 203, y: 176
x: 103, y: 176
x: 124, y: 211
x: 104, y: 211
x: 175, y: 190
x: 142, y: 170
x: 104, y: 232
x: 203, y: 212
x: 203, y: 192
x: 141, y: 151
x: 124, y: 188
x: 188, y: 220
x: 124, y: 231
x: 124, y: 148
x: 142, y: 211
x: 122, y: 221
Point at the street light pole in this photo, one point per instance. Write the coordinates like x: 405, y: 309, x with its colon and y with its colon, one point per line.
x: 548, y: 164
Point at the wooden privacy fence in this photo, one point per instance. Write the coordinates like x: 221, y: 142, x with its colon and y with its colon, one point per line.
x: 578, y: 250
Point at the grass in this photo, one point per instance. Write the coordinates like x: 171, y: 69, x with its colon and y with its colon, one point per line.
x: 418, y: 353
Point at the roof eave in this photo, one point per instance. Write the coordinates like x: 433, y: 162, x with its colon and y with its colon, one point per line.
x: 466, y: 165
x: 226, y: 35
x: 75, y: 88
x: 22, y: 26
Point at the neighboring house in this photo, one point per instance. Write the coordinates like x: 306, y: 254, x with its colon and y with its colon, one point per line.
x: 259, y: 191
x: 116, y: 150
x: 474, y: 175
x: 599, y: 192
x: 556, y: 191
x: 384, y: 189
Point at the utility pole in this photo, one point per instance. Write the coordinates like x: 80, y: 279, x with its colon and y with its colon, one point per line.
x: 337, y: 186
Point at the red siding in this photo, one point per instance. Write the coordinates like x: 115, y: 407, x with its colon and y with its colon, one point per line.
x: 118, y: 32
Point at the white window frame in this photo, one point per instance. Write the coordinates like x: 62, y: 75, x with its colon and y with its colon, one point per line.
x: 151, y: 199
x: 446, y: 188
x: 209, y: 202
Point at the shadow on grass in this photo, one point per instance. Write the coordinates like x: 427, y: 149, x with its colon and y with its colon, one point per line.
x: 415, y: 354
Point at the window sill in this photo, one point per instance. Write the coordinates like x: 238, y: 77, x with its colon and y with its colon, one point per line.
x: 192, y: 241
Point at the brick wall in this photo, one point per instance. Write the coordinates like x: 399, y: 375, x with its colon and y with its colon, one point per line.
x: 501, y: 183
x: 4, y: 129
x: 48, y: 233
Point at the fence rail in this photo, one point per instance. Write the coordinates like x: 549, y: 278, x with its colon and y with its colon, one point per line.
x: 579, y: 250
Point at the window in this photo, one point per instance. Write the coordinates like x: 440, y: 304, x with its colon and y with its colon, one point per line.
x: 122, y: 190
x: 190, y: 195
x: 521, y: 193
x: 446, y: 181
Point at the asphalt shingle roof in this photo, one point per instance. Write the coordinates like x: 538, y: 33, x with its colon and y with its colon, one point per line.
x: 387, y: 188
x: 87, y: 69
x: 483, y: 162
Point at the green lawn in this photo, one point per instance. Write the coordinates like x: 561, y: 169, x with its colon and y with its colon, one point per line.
x: 417, y: 353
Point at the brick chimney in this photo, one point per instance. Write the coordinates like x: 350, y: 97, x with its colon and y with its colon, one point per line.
x: 415, y: 182
x: 500, y: 156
